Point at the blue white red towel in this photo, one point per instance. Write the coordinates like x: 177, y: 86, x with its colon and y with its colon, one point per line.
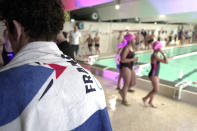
x: 43, y: 90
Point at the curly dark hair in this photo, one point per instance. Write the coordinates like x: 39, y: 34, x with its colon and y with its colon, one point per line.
x: 41, y: 19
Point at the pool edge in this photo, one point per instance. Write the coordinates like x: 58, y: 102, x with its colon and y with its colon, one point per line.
x: 187, y: 96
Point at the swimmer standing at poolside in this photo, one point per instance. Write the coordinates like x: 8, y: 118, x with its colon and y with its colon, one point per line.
x: 154, y: 72
x: 128, y: 58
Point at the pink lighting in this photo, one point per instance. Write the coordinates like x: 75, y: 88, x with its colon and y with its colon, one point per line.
x: 110, y: 74
x: 76, y: 4
x: 174, y: 6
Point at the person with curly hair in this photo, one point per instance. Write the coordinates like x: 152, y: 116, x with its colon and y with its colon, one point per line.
x: 41, y: 88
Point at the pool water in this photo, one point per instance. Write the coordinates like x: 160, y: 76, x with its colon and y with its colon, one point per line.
x: 187, y: 66
x: 145, y: 57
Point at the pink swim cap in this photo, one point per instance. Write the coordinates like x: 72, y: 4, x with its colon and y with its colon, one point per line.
x: 157, y: 45
x: 129, y: 37
x: 121, y: 45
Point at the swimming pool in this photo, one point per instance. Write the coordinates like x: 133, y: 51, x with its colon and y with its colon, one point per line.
x: 185, y: 65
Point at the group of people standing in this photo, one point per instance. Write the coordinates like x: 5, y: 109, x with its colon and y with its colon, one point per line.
x: 145, y: 38
x: 125, y: 59
x: 69, y: 43
x: 96, y: 41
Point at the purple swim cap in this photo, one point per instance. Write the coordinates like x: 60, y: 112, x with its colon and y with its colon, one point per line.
x: 129, y: 37
x: 157, y: 45
x: 121, y: 45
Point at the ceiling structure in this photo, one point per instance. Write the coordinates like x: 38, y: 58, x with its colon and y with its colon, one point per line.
x: 169, y: 11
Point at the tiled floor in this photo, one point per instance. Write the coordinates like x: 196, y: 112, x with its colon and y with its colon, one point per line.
x: 171, y: 115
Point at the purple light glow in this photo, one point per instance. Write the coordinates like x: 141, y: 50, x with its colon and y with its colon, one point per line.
x: 174, y: 6
x: 76, y: 4
x: 110, y: 74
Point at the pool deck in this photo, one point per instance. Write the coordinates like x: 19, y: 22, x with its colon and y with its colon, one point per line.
x: 171, y: 115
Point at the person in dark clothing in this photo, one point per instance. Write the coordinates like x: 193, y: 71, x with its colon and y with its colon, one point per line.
x: 64, y: 45
x: 7, y: 53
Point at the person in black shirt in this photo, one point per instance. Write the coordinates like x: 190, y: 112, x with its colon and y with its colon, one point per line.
x: 64, y: 45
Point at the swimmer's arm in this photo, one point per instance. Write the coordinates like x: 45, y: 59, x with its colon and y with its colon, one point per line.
x: 164, y: 56
x: 117, y: 58
x: 124, y: 58
x: 119, y: 51
x: 164, y: 60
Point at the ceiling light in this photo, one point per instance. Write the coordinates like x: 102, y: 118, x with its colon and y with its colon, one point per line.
x: 127, y: 28
x: 72, y: 20
x: 162, y: 16
x: 117, y: 6
x: 155, y: 23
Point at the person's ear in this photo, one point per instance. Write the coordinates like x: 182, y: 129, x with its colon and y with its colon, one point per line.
x: 19, y: 29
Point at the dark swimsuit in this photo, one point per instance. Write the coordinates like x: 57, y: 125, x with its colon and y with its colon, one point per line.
x: 90, y: 45
x: 129, y: 65
x: 155, y: 67
x: 150, y: 41
x: 97, y: 44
